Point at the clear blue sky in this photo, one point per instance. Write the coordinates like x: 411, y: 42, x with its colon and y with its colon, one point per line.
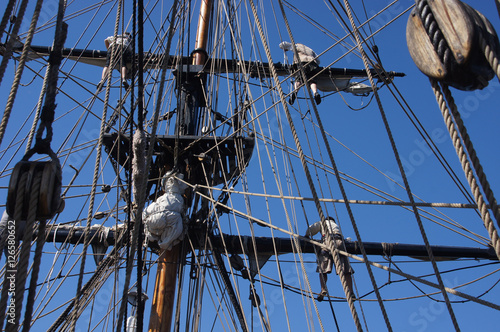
x: 350, y: 132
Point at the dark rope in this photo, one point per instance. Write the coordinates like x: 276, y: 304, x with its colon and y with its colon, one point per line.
x: 140, y: 125
x: 31, y: 204
x: 148, y: 159
x: 18, y: 211
x: 436, y: 36
x: 9, y: 45
x: 128, y: 254
x: 34, y: 275
x: 48, y: 110
x: 6, y: 16
x: 22, y: 62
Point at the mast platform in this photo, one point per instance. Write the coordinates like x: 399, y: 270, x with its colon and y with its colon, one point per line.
x: 220, y: 155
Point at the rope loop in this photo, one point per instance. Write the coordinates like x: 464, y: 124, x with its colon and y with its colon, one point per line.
x: 42, y: 146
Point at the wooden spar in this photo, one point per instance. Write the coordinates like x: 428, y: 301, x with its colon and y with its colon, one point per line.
x: 202, y: 33
x: 162, y: 307
x: 268, y: 245
x: 254, y: 69
x: 164, y: 291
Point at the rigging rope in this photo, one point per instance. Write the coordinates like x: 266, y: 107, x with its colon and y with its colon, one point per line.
x: 425, y: 135
x: 282, y: 197
x: 22, y: 61
x: 30, y: 176
x: 428, y: 283
x: 132, y: 175
x: 97, y: 277
x: 17, y: 216
x: 327, y: 180
x: 96, y: 174
x: 22, y: 269
x: 141, y: 173
x: 143, y: 187
x: 38, y: 109
x: 355, y: 32
x: 403, y: 174
x: 302, y: 157
x: 457, y: 132
x: 370, y: 188
x: 41, y: 238
x: 335, y: 254
x: 233, y: 293
x: 291, y: 229
x: 490, y: 51
x: 36, y: 263
x: 6, y: 15
x: 241, y: 164
x: 12, y: 39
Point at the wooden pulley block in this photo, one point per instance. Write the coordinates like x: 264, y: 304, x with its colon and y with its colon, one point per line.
x: 485, y: 29
x: 20, y: 170
x: 442, y: 37
x: 49, y: 200
x: 49, y: 192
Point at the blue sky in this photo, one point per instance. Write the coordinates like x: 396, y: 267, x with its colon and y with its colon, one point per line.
x: 352, y: 135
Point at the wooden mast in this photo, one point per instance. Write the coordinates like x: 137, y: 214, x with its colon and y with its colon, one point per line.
x: 164, y: 292
x: 202, y: 33
x: 162, y: 306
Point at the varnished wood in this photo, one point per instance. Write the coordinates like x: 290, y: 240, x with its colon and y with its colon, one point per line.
x: 164, y: 291
x: 202, y: 32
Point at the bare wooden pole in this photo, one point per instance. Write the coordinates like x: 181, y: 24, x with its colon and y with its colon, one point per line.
x: 164, y: 291
x: 202, y: 32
